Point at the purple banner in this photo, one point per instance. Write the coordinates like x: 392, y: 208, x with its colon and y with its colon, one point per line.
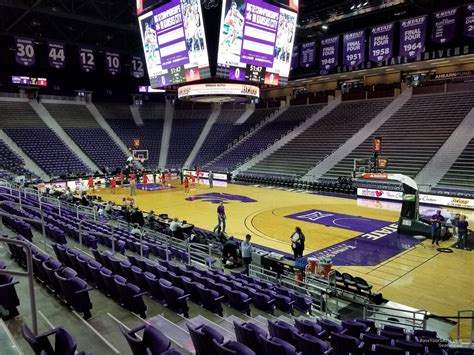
x: 137, y: 67
x: 308, y: 54
x: 87, y: 59
x: 112, y: 62
x: 469, y: 21
x: 56, y: 55
x: 353, y: 52
x: 412, y: 36
x: 381, y: 42
x: 25, y: 51
x: 295, y: 57
x: 444, y: 26
x: 259, y: 33
x: 329, y: 53
x: 169, y: 27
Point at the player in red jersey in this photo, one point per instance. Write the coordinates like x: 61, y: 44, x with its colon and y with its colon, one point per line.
x: 90, y: 183
x: 145, y: 181
x: 163, y: 180
x: 198, y: 172
x: 113, y: 184
x: 169, y: 178
x: 122, y: 178
x: 186, y: 185
x: 193, y: 181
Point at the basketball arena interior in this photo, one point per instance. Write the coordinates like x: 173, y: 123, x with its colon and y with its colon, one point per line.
x: 236, y: 177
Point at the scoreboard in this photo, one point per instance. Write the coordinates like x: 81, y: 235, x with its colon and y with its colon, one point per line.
x: 174, y: 43
x: 256, y: 40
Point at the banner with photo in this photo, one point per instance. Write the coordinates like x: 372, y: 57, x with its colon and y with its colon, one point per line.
x: 25, y: 51
x: 308, y: 54
x: 381, y: 42
x: 353, y: 51
x: 412, y: 36
x: 444, y: 26
x: 329, y: 53
x: 56, y: 55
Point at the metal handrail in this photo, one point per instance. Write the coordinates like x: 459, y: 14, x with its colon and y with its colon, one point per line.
x: 458, y: 326
x: 413, y: 317
x: 29, y: 273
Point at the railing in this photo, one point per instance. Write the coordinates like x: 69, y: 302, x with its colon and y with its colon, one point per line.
x: 468, y: 315
x: 415, y: 319
x: 29, y: 273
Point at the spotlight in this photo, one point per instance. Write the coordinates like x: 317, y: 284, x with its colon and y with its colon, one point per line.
x: 359, y: 6
x: 353, y: 7
x: 365, y: 3
x: 324, y: 27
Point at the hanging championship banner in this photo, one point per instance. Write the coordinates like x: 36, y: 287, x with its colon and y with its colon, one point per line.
x: 25, y: 51
x: 329, y: 53
x: 444, y: 26
x: 295, y: 57
x: 56, y: 55
x: 308, y: 54
x: 137, y: 68
x: 412, y: 36
x: 353, y: 52
x: 381, y: 42
x: 87, y: 59
x: 469, y: 21
x: 112, y: 62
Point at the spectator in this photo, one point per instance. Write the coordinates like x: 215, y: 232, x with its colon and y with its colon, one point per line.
x: 137, y: 217
x: 150, y: 218
x: 133, y: 184
x: 174, y: 227
x: 453, y: 223
x: 136, y: 230
x: 437, y: 220
x: 462, y: 232
x: 109, y: 209
x: 211, y: 179
x: 229, y: 252
x: 246, y: 249
x: 297, y: 243
x: 221, y: 219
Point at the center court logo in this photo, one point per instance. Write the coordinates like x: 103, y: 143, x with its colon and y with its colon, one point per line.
x: 217, y: 197
x: 314, y: 216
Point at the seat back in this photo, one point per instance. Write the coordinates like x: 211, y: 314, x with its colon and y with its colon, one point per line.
x: 64, y: 342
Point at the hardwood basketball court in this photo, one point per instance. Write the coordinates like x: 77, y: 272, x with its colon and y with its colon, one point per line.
x: 359, y: 235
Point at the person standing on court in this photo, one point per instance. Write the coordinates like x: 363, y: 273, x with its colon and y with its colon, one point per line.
x: 462, y: 232
x: 221, y: 219
x: 297, y: 243
x: 145, y: 181
x: 436, y: 222
x: 211, y: 179
x: 246, y: 248
x: 113, y: 184
x: 133, y: 184
x: 122, y: 177
x: 90, y: 182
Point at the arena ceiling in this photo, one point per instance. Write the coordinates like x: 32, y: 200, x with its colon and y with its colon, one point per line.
x: 112, y: 23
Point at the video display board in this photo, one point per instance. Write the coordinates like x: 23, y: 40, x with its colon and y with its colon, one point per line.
x: 255, y: 42
x: 174, y: 43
